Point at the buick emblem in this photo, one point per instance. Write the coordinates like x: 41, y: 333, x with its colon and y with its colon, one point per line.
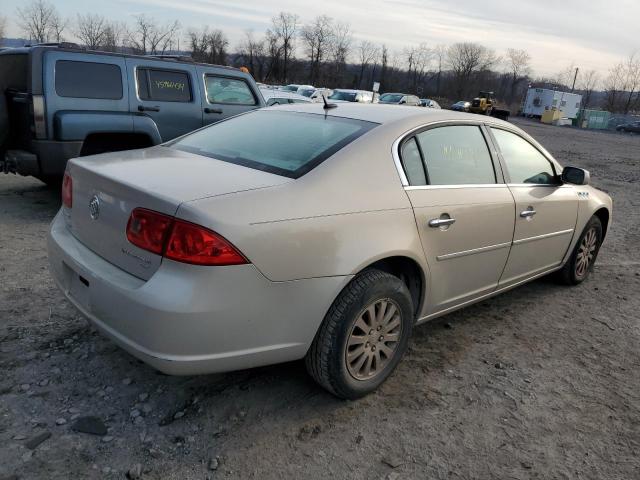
x: 94, y: 207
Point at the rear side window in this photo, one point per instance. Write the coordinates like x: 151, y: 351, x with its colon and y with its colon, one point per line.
x: 229, y: 90
x: 163, y: 85
x: 412, y: 163
x: 88, y: 80
x: 456, y: 155
x: 525, y: 164
x: 281, y: 142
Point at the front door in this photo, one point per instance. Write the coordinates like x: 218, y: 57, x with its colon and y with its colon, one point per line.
x: 546, y: 211
x: 464, y: 212
x: 169, y: 96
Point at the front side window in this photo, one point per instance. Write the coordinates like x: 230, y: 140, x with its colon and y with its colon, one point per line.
x: 524, y: 162
x: 281, y: 142
x: 163, y: 85
x: 228, y: 90
x: 88, y: 80
x: 456, y: 155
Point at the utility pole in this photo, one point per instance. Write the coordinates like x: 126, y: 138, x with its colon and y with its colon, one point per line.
x: 574, y: 80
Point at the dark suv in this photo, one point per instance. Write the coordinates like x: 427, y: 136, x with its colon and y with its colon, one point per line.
x: 60, y: 101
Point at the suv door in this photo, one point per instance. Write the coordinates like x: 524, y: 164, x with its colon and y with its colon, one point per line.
x: 226, y: 92
x: 546, y: 210
x: 463, y: 210
x: 165, y: 93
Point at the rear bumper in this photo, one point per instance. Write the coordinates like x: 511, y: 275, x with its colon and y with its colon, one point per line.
x: 189, y: 319
x: 43, y: 158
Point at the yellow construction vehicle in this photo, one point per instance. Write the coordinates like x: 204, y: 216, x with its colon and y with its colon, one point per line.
x: 482, y: 104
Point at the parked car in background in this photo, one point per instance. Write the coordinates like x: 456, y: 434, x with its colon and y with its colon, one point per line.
x: 295, y: 88
x: 62, y: 101
x: 426, y: 102
x: 629, y: 127
x: 461, y: 106
x: 315, y: 94
x: 348, y: 95
x: 399, y: 99
x: 281, y: 97
x: 255, y: 241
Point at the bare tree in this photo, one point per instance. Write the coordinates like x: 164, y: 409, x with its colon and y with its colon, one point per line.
x: 632, y: 81
x: 622, y: 85
x: 3, y: 27
x: 114, y: 35
x: 440, y: 54
x: 209, y: 46
x: 341, y: 42
x: 588, y: 83
x: 284, y: 29
x: 317, y: 37
x: 39, y: 21
x: 58, y: 26
x: 91, y: 30
x: 467, y: 59
x: 367, y: 53
x: 418, y: 59
x: 614, y: 85
x: 518, y: 66
x: 252, y: 54
x: 147, y: 37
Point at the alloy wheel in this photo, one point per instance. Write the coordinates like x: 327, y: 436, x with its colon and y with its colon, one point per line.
x: 586, y: 252
x: 374, y: 339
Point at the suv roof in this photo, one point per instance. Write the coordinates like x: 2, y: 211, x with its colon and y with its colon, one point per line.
x: 73, y: 47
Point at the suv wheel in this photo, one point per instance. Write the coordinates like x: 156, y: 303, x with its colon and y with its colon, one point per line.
x: 363, y: 336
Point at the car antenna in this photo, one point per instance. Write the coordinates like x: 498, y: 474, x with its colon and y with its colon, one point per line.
x: 327, y: 105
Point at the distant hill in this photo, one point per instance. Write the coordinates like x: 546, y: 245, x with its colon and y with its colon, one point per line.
x: 13, y: 42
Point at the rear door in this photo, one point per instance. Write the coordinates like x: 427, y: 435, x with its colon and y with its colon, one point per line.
x: 166, y: 93
x: 226, y: 93
x: 546, y: 210
x: 463, y: 210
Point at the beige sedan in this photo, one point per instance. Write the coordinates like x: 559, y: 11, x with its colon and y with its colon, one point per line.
x: 317, y: 232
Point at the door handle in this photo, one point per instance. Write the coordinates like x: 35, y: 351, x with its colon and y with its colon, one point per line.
x: 528, y: 213
x: 142, y: 108
x: 441, y: 222
x: 212, y: 110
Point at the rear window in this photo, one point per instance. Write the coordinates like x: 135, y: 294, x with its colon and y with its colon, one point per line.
x: 163, y: 85
x: 285, y: 143
x: 88, y: 80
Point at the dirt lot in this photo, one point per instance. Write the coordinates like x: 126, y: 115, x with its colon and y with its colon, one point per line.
x: 541, y: 382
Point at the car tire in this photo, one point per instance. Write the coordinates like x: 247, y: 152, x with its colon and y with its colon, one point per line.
x: 584, y: 255
x: 341, y: 343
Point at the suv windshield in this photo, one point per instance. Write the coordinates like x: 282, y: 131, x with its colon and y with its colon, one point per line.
x: 391, y: 97
x: 348, y: 96
x: 285, y: 143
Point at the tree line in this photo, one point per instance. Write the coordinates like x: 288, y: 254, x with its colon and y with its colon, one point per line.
x: 324, y: 52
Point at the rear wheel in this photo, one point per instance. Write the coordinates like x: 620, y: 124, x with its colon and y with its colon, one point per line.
x: 584, y: 255
x: 363, y: 336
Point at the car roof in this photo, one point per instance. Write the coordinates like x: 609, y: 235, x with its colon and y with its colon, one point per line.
x: 388, y: 114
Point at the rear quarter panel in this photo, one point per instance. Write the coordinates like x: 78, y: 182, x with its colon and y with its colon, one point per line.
x: 345, y: 214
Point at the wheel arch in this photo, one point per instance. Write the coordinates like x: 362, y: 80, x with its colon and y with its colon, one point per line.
x: 603, y: 214
x: 406, y: 269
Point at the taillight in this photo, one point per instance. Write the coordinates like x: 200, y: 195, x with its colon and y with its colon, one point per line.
x: 179, y: 240
x: 39, y: 122
x: 192, y: 243
x: 148, y: 229
x: 67, y: 191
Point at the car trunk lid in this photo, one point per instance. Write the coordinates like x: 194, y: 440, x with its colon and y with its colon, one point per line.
x: 106, y: 188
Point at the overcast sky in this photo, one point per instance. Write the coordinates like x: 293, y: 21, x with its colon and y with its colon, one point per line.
x: 592, y: 34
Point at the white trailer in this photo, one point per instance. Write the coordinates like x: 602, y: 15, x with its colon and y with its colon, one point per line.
x: 538, y: 100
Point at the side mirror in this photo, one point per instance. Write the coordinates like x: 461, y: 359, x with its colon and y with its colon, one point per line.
x: 575, y: 176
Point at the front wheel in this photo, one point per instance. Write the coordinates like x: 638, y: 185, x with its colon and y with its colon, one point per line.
x: 584, y: 255
x: 363, y: 336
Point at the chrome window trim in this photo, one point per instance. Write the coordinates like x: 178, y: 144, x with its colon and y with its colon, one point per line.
x: 542, y: 237
x: 473, y: 251
x: 465, y: 185
x: 553, y: 185
x: 395, y: 152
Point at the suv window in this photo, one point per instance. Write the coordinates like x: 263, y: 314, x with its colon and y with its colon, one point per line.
x: 163, y: 85
x: 525, y: 164
x: 228, y: 90
x: 456, y: 155
x: 88, y: 80
x: 281, y: 142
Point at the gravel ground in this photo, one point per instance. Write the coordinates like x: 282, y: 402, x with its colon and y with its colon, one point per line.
x: 541, y: 382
